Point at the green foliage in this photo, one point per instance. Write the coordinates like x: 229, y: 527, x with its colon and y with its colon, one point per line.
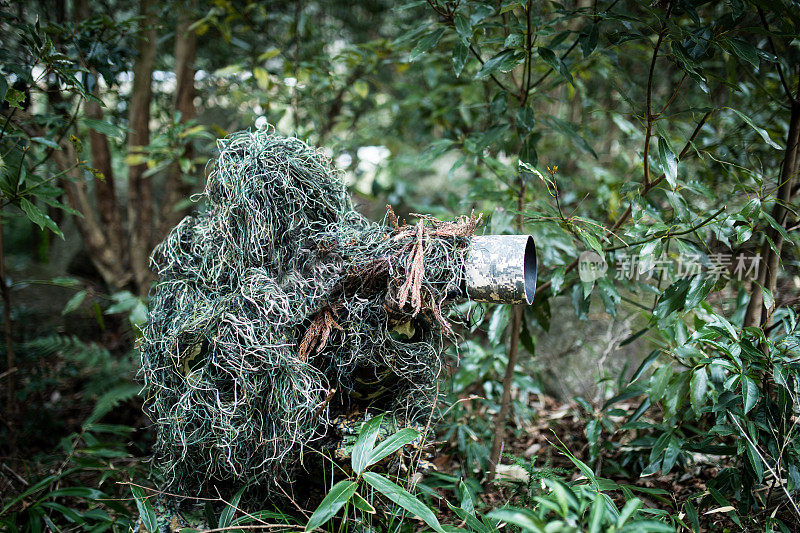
x: 720, y: 395
x: 62, y: 498
x: 365, y: 454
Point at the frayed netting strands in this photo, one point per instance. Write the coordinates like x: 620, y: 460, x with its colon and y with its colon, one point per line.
x: 279, y: 307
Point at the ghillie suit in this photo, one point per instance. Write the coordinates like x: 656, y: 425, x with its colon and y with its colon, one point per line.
x: 279, y: 308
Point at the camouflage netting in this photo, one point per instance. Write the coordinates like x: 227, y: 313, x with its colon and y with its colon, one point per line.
x: 279, y: 307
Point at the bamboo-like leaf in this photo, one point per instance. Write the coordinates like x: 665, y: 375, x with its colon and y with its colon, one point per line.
x: 392, y: 444
x: 146, y: 512
x: 403, y: 498
x: 226, y: 517
x: 333, y: 501
x: 365, y: 443
x: 521, y: 518
x: 761, y: 131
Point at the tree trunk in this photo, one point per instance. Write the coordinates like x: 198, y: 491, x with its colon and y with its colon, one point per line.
x: 11, y: 400
x: 513, y: 351
x: 177, y: 188
x: 770, y: 259
x: 140, y: 195
x: 105, y: 194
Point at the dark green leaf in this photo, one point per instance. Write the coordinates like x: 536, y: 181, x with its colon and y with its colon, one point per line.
x: 744, y: 50
x: 360, y: 503
x: 427, y: 42
x: 659, y: 381
x: 463, y: 28
x: 761, y: 131
x: 668, y: 161
x: 699, y: 288
x: 672, y: 299
x: 104, y: 127
x: 503, y: 61
x: 74, y: 302
x: 555, y: 62
x: 146, y: 512
x: 777, y: 227
x: 39, y: 217
x: 392, y: 444
x: 750, y: 394
x: 698, y: 386
x: 589, y: 37
x: 460, y: 54
x: 226, y: 517
x: 330, y: 505
x: 403, y: 498
x: 363, y: 446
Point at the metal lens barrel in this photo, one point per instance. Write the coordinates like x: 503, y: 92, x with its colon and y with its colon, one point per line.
x: 501, y: 269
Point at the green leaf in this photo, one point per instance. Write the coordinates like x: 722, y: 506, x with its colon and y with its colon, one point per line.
x: 645, y: 364
x: 588, y: 39
x: 47, y: 142
x: 480, y: 12
x: 39, y: 217
x: 74, y: 302
x: 498, y: 323
x: 521, y: 518
x: 750, y: 393
x: 590, y: 240
x: 631, y: 506
x: 555, y: 62
x: 460, y: 54
x: 597, y: 514
x: 146, y: 512
x: 760, y: 131
x: 360, y: 503
x: 463, y: 28
x: 699, y: 288
x: 568, y: 130
x: 744, y: 50
x: 226, y: 517
x: 363, y: 446
x: 503, y: 61
x: 3, y: 88
x: 672, y: 299
x: 104, y: 127
x: 777, y: 227
x: 769, y: 300
x: 691, y: 514
x: 14, y: 97
x: 669, y: 163
x: 698, y: 385
x: 392, y: 444
x: 557, y: 279
x: 333, y: 501
x: 426, y: 43
x: 609, y: 295
x: 659, y: 381
x: 671, y: 454
x: 403, y: 498
x: 77, y: 492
